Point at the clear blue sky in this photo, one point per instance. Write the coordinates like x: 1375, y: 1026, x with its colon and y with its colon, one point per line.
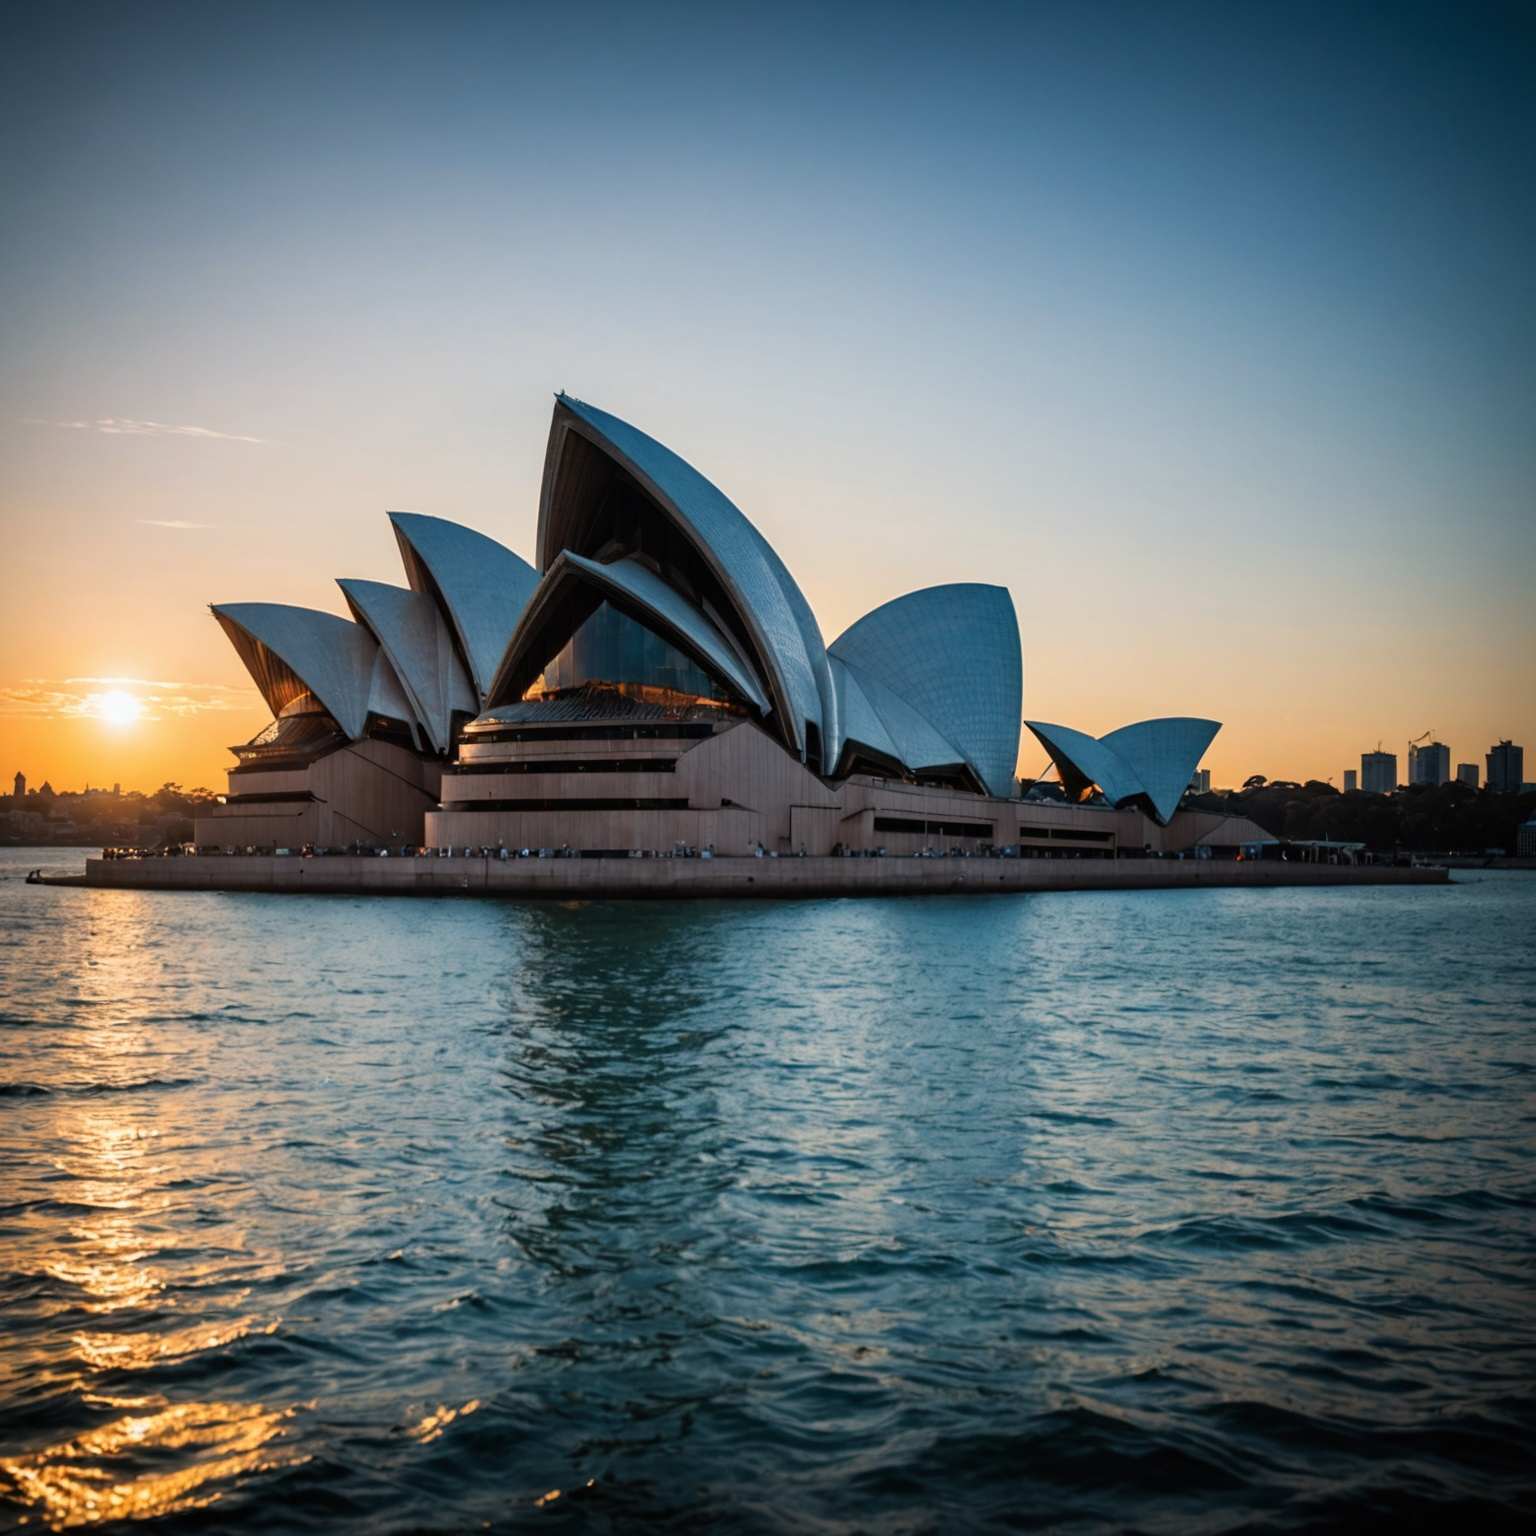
x: 1208, y: 329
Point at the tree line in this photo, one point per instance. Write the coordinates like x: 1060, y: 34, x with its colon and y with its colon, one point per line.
x: 1421, y: 818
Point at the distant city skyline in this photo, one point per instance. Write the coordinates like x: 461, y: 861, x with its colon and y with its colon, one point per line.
x: 1505, y: 779
x: 1205, y: 329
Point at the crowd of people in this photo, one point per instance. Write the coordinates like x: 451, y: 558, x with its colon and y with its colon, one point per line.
x: 680, y: 850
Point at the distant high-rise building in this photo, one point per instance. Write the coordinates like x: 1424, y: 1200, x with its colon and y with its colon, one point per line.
x: 117, y: 790
x: 1506, y: 768
x: 21, y: 785
x: 1378, y: 772
x: 1201, y: 783
x: 1351, y: 781
x: 1466, y: 773
x: 1429, y: 764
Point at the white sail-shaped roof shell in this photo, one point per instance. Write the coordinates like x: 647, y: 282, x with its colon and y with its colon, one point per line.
x: 414, y: 636
x: 1083, y: 760
x: 658, y: 605
x: 772, y: 607
x: 1153, y: 758
x: 953, y: 654
x: 290, y: 651
x: 1164, y: 754
x: 862, y: 725
x: 916, y: 741
x: 481, y: 584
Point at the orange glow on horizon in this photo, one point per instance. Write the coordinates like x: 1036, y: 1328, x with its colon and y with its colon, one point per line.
x: 114, y: 735
x: 102, y: 681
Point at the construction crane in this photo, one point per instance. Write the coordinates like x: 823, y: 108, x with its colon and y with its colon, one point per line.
x: 1428, y: 735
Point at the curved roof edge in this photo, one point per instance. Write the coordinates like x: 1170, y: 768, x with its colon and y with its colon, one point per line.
x: 289, y: 650
x: 918, y: 742
x: 642, y: 586
x: 1082, y: 760
x: 1152, y: 758
x: 636, y: 586
x: 952, y: 652
x: 482, y: 586
x: 861, y: 721
x: 772, y: 607
x: 1164, y: 754
x: 414, y: 636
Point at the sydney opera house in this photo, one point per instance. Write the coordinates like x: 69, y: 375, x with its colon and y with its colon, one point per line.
x: 658, y: 680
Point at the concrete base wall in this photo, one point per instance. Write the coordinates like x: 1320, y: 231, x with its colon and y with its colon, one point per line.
x: 721, y: 877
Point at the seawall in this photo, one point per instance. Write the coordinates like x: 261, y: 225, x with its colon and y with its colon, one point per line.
x: 576, y: 879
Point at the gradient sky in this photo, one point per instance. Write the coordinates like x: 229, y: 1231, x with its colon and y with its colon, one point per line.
x: 1208, y: 330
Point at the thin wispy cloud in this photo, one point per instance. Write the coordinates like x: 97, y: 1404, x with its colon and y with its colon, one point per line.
x: 82, y: 698
x: 130, y: 426
x: 169, y: 522
x: 147, y: 682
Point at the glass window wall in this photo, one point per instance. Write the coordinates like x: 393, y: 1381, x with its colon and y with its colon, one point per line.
x: 612, y: 650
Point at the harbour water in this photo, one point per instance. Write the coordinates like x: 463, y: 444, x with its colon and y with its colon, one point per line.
x: 1181, y: 1210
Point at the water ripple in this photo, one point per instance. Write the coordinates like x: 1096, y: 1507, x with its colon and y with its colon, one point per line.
x: 1173, y: 1211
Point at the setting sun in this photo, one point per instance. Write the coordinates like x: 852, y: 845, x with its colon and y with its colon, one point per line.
x: 118, y: 708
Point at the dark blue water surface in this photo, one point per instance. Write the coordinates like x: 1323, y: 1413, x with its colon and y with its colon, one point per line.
x: 1182, y: 1211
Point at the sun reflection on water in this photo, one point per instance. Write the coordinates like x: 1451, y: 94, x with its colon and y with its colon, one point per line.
x: 79, y: 1482
x: 115, y: 1124
x: 432, y: 1426
x: 140, y: 1351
